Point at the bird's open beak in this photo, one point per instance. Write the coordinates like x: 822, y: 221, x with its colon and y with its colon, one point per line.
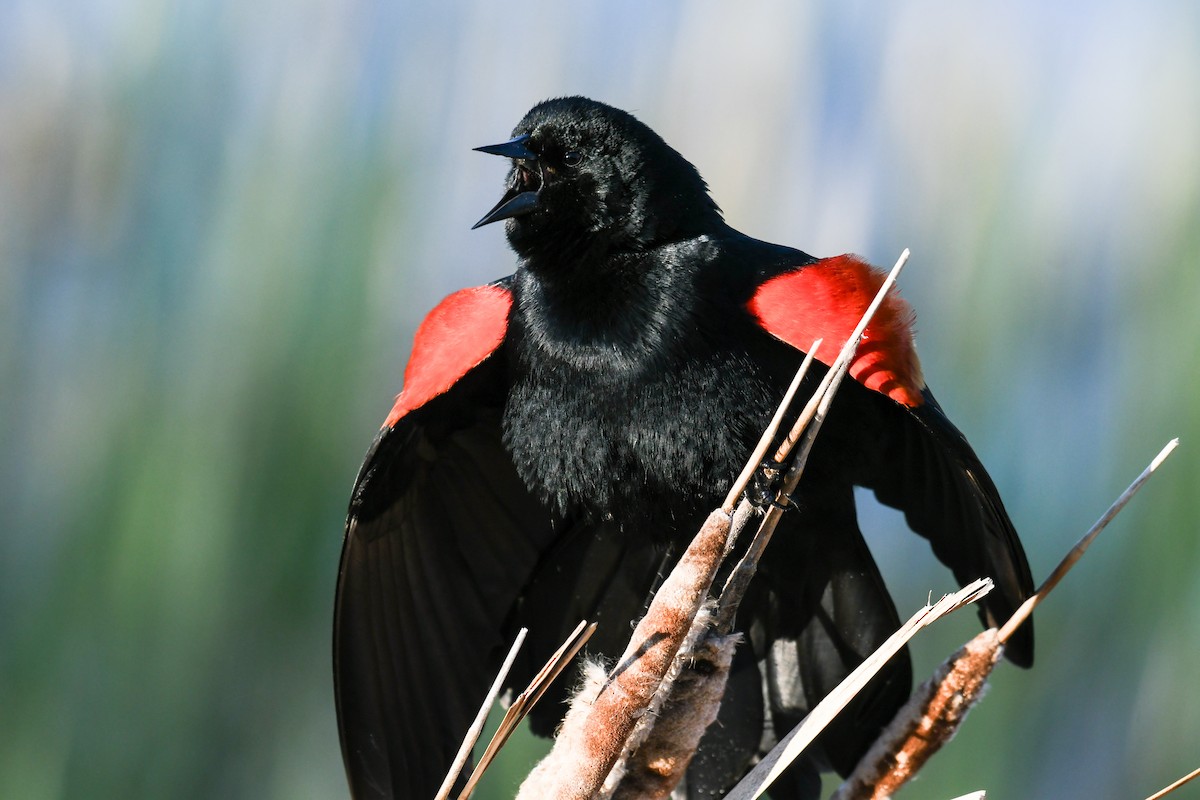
x: 513, y: 148
x: 522, y: 196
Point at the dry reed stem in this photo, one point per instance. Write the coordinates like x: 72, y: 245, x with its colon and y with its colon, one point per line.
x: 1168, y: 789
x: 932, y: 716
x: 464, y: 751
x: 739, y: 579
x: 525, y: 701
x: 1085, y: 541
x: 764, y: 442
x: 791, y: 746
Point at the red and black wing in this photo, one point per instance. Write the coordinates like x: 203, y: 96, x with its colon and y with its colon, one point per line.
x: 441, y: 537
x: 927, y: 468
x: 931, y: 473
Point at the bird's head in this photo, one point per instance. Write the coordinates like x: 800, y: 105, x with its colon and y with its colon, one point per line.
x: 588, y: 178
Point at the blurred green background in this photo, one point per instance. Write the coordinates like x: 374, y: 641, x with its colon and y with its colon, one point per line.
x: 221, y: 221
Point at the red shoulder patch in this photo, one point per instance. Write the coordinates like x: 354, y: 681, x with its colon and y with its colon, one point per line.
x: 454, y: 338
x: 826, y: 300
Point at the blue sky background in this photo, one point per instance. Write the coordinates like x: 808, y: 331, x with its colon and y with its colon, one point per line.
x: 220, y: 223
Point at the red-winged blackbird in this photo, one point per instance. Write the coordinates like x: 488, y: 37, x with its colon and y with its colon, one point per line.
x: 563, y: 431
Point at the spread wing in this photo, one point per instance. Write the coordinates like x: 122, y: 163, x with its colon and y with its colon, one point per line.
x: 925, y: 467
x: 932, y: 474
x: 441, y: 537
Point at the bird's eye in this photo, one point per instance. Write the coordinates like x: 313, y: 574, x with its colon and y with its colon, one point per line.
x: 572, y: 158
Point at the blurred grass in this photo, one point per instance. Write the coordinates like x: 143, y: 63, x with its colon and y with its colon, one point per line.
x: 219, y: 225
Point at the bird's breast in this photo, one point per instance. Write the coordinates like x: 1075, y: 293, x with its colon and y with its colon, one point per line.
x: 661, y: 443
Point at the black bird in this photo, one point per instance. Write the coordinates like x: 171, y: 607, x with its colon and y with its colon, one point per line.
x: 562, y: 432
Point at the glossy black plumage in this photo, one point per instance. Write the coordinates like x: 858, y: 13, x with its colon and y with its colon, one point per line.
x: 557, y: 478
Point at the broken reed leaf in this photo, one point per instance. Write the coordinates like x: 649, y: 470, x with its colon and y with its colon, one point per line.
x: 464, y: 751
x: 759, y: 779
x: 1166, y: 790
x: 740, y: 577
x: 792, y: 478
x: 558, y: 662
x: 525, y: 701
x: 764, y: 442
x: 938, y: 707
x: 1084, y: 542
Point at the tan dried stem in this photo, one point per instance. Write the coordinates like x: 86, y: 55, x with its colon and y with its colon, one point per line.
x: 935, y: 711
x: 739, y: 579
x: 1085, y: 541
x: 764, y: 442
x: 1168, y: 789
x: 791, y: 746
x: 525, y: 701
x: 464, y: 751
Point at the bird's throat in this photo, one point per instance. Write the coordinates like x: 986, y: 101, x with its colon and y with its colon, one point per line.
x: 622, y: 314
